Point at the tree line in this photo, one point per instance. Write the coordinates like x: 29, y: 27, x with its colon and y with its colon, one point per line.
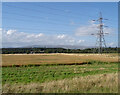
x: 55, y: 50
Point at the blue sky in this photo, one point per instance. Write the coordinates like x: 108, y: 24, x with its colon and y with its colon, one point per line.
x: 65, y: 23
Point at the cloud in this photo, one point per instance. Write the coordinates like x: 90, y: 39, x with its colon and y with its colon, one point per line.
x: 34, y: 35
x: 9, y: 32
x: 112, y: 44
x: 91, y: 28
x: 14, y: 38
x: 86, y: 30
x: 71, y: 41
x: 61, y: 36
x: 81, y: 41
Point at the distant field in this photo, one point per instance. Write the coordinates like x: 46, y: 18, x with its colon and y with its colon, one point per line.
x: 25, y: 59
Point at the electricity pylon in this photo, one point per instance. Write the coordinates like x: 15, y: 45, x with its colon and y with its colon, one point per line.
x: 100, y: 35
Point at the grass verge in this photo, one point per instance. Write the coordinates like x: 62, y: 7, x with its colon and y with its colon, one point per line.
x: 102, y: 83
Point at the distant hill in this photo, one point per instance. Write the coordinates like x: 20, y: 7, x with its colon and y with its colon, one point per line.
x: 59, y: 46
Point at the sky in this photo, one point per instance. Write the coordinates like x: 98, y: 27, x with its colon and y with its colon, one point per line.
x: 60, y: 0
x: 57, y: 23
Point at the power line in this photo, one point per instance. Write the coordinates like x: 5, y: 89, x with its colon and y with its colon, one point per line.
x: 30, y: 16
x: 52, y: 30
x: 35, y: 21
x: 27, y: 29
x: 34, y: 10
x: 51, y: 8
x: 43, y: 30
x: 47, y: 22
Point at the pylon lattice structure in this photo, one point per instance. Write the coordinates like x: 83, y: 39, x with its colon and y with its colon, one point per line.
x: 100, y: 35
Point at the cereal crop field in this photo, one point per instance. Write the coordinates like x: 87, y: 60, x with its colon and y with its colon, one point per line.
x: 26, y: 59
x: 60, y: 73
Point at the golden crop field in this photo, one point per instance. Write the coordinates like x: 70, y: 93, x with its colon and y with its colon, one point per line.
x: 25, y: 59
